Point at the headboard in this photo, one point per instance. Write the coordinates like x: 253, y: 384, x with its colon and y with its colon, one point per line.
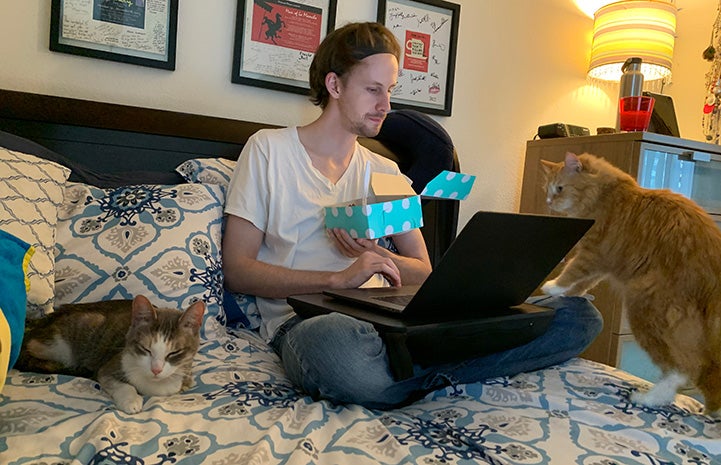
x: 113, y: 138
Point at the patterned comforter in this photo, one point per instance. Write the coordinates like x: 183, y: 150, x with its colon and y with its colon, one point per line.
x: 243, y: 410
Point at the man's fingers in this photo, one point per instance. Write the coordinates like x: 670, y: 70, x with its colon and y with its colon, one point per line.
x: 390, y: 271
x: 347, y: 245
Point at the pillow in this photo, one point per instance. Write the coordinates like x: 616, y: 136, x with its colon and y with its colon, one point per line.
x: 6, y: 347
x: 31, y: 190
x: 161, y: 241
x: 423, y: 147
x: 240, y: 309
x: 15, y: 256
x: 20, y: 144
x: 207, y: 170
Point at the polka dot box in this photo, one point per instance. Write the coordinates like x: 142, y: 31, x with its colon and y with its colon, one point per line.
x: 395, y: 213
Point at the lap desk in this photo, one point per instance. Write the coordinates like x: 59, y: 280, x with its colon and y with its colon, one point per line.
x: 433, y: 341
x: 472, y: 304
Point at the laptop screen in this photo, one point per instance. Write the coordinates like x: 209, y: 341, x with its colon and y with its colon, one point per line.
x: 663, y: 118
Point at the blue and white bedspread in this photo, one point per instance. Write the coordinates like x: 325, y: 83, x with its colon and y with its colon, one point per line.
x: 243, y: 410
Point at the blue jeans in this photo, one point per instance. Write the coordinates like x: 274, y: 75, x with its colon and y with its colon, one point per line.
x: 344, y: 360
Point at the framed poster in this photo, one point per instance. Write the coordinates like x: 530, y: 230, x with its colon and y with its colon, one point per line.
x: 428, y: 33
x: 141, y: 32
x: 275, y: 41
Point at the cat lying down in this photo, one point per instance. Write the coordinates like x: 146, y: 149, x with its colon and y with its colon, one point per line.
x: 130, y: 347
x: 663, y: 253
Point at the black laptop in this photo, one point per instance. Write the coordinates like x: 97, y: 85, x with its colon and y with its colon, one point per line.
x: 495, y: 263
x: 473, y: 303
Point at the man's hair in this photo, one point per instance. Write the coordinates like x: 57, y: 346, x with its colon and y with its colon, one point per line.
x: 344, y: 48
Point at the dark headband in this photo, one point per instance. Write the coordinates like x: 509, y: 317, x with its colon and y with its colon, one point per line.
x: 365, y: 52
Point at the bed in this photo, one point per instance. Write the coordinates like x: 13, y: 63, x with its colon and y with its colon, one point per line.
x: 242, y: 409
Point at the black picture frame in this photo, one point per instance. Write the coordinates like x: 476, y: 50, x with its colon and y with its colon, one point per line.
x: 116, y: 30
x: 428, y: 33
x: 260, y: 61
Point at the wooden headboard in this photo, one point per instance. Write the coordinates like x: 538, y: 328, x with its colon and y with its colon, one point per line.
x: 113, y: 138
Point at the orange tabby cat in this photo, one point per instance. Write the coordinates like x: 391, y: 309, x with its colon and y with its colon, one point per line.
x: 663, y: 254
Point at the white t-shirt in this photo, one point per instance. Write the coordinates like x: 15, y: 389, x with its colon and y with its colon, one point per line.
x: 276, y: 187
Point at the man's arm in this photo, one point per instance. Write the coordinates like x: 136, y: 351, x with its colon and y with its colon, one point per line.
x: 246, y: 274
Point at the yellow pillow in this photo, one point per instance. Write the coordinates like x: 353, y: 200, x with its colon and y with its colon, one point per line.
x: 5, y: 344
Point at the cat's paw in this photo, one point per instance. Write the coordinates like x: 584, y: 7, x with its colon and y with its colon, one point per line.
x: 662, y: 393
x: 131, y: 405
x: 128, y: 400
x: 552, y: 288
x: 187, y: 383
x: 652, y: 398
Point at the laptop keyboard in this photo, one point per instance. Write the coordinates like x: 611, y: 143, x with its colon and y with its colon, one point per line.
x: 395, y: 299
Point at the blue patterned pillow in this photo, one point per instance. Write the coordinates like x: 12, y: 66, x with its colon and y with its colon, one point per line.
x: 159, y: 241
x: 240, y: 309
x: 207, y: 170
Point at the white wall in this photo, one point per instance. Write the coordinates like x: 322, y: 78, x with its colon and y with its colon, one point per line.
x: 521, y: 63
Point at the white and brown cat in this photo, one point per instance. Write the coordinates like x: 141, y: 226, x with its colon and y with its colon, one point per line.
x: 662, y: 252
x: 130, y: 347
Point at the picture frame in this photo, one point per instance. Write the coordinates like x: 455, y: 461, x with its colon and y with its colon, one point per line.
x: 118, y: 30
x: 264, y: 56
x: 428, y: 33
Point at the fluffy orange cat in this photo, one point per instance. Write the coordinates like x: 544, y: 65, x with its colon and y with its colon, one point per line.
x: 663, y: 254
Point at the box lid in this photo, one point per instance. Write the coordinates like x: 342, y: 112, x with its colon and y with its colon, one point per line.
x: 449, y: 185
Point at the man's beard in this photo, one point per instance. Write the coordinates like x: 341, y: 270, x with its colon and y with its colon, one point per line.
x: 365, y: 129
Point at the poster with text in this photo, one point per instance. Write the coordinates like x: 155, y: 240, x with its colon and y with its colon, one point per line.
x: 427, y: 32
x: 131, y: 27
x: 286, y: 24
x: 279, y: 40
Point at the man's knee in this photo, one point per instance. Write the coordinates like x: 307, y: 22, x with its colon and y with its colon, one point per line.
x: 337, y: 357
x: 580, y: 318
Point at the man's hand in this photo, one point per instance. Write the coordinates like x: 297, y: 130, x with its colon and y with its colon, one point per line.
x: 348, y: 246
x: 368, y: 264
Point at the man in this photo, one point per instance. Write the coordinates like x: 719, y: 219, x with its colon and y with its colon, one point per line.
x: 275, y: 243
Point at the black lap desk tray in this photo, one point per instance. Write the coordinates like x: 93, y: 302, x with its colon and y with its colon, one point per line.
x: 438, y: 341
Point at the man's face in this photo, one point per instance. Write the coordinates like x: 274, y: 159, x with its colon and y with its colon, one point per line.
x: 364, y: 97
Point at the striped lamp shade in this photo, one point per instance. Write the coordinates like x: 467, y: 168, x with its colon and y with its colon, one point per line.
x: 631, y: 28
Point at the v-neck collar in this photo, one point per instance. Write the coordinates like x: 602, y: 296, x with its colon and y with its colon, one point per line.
x: 344, y: 178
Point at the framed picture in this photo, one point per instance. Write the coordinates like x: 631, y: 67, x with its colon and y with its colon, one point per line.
x: 428, y: 33
x: 275, y: 41
x: 141, y: 32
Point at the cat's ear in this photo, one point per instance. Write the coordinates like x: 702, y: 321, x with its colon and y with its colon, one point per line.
x: 572, y: 164
x: 548, y: 172
x: 547, y: 166
x: 193, y: 316
x: 143, y: 311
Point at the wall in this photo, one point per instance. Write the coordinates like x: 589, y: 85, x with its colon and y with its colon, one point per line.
x: 521, y: 63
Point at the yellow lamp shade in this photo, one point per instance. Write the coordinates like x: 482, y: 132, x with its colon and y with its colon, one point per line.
x: 644, y: 29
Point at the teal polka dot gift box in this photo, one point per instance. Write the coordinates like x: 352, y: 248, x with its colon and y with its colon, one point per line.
x: 392, y: 206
